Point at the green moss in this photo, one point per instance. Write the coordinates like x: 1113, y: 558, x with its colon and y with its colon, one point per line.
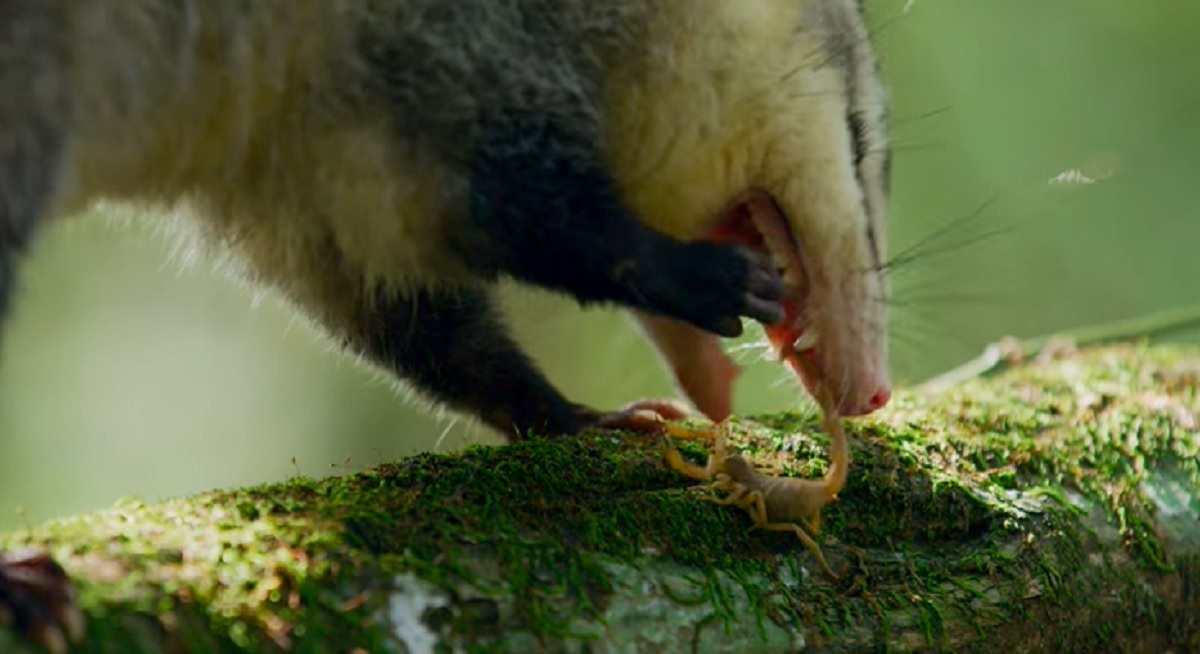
x: 959, y: 504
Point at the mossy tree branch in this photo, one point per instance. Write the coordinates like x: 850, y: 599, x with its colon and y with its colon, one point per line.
x: 1054, y: 508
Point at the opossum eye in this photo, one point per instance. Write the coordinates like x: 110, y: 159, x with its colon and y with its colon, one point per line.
x: 858, y: 136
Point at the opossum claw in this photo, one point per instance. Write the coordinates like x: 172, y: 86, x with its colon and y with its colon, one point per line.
x: 712, y: 286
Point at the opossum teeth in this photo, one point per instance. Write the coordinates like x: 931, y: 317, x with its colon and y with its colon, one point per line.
x: 791, y: 277
x: 806, y: 341
x: 779, y: 261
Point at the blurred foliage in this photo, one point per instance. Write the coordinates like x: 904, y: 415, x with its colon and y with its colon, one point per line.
x: 127, y: 374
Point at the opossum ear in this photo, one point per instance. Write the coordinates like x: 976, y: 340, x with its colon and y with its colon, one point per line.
x: 544, y: 210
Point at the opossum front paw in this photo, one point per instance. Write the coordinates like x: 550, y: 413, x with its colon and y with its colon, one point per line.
x: 714, y: 285
x: 37, y: 598
x: 644, y: 416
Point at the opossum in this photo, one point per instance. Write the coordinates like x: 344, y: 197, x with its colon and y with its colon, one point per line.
x: 383, y: 163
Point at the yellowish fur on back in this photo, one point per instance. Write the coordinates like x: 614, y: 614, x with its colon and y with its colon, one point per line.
x: 239, y: 120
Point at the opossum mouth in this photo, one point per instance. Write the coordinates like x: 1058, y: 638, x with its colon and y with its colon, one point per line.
x: 756, y: 221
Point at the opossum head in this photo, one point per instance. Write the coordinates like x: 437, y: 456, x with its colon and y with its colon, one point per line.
x: 764, y: 122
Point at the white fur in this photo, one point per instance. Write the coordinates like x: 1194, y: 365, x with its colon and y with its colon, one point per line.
x: 744, y: 95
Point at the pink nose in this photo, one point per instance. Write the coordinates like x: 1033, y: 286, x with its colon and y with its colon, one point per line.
x: 876, y: 402
x: 879, y: 399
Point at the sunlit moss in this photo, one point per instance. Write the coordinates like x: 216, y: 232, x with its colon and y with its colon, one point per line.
x: 958, y: 509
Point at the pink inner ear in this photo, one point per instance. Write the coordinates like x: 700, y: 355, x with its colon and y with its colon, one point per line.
x: 702, y: 370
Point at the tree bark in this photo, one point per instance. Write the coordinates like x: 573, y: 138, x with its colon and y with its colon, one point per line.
x: 1052, y: 508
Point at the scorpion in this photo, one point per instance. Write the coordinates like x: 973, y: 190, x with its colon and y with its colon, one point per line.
x: 773, y: 503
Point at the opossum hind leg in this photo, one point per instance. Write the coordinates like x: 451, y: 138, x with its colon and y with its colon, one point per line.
x: 453, y: 347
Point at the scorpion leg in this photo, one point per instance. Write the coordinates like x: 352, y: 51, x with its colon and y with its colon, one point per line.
x: 814, y: 525
x: 736, y: 495
x: 676, y: 462
x: 755, y: 504
x: 804, y: 538
x: 685, y: 434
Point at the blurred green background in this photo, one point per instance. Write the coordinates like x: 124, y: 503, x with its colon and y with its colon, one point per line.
x: 127, y: 374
